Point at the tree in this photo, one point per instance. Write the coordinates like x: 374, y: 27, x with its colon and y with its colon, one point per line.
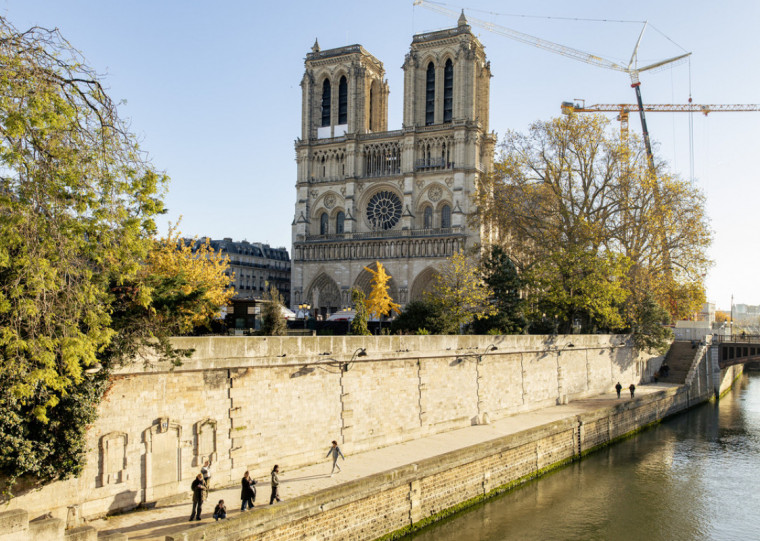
x: 272, y: 320
x: 459, y: 294
x: 650, y: 332
x: 579, y: 205
x: 417, y: 316
x: 78, y: 290
x: 380, y: 303
x: 359, y: 323
x: 501, y: 276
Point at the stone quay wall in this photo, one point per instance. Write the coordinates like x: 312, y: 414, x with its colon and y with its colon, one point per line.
x: 250, y: 402
x: 397, y: 501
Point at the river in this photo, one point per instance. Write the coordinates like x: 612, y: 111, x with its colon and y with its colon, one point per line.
x: 695, y: 476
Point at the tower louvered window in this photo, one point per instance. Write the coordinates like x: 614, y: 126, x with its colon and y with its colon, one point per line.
x: 430, y: 95
x: 326, y: 103
x: 448, y: 90
x: 343, y: 101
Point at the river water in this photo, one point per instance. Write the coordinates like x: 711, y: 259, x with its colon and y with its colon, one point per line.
x: 693, y: 477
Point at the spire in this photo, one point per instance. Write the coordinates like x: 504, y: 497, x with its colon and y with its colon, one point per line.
x: 315, y: 48
x: 462, y: 20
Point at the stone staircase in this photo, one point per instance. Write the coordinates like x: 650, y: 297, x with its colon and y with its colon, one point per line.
x: 679, y: 358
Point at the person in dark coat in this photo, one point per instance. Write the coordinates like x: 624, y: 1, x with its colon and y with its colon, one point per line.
x: 199, y: 495
x: 220, y: 511
x: 618, y: 388
x: 275, y: 485
x: 248, y: 491
x: 632, y: 388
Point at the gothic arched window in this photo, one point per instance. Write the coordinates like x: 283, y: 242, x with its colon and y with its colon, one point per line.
x: 326, y: 103
x: 323, y: 224
x: 445, y: 216
x: 428, y: 218
x: 430, y: 95
x: 343, y: 101
x: 340, y: 220
x: 448, y: 90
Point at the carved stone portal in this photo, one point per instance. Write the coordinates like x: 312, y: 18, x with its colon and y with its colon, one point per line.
x: 113, y: 458
x: 205, y: 441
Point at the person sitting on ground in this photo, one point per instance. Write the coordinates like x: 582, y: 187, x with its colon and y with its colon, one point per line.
x: 220, y: 511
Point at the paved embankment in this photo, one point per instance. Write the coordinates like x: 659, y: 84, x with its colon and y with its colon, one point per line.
x: 413, y: 481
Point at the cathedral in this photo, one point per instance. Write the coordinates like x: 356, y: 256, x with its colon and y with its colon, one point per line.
x: 400, y: 197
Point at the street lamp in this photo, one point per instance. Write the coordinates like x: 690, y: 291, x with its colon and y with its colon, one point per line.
x: 304, y: 308
x: 360, y: 352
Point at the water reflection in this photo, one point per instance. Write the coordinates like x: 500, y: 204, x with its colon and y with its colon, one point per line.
x: 691, y: 478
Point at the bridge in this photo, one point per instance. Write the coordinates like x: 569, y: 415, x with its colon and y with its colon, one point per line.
x: 736, y: 349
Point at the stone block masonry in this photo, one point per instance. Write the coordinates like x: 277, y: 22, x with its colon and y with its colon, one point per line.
x: 248, y: 403
x: 394, y: 502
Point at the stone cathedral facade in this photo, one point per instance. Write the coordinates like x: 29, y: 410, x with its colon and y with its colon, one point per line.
x: 401, y: 197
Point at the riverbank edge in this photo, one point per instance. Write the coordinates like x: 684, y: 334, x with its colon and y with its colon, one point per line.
x: 390, y: 504
x: 513, y: 485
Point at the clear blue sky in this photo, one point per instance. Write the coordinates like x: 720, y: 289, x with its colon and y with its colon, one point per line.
x: 212, y: 90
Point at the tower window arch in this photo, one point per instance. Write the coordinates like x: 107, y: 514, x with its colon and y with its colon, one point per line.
x: 430, y: 95
x: 323, y: 224
x: 427, y: 218
x: 326, y: 103
x: 448, y: 90
x: 445, y: 216
x: 343, y: 101
x: 340, y: 222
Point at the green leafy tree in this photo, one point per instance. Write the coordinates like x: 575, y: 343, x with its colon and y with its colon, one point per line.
x: 359, y: 323
x: 459, y: 294
x: 501, y: 276
x: 78, y: 292
x: 576, y: 205
x: 649, y: 330
x: 417, y: 315
x: 272, y: 320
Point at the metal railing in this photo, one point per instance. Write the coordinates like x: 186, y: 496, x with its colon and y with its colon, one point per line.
x: 740, y: 338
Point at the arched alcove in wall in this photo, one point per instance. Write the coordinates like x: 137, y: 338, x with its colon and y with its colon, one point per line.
x: 323, y: 294
x: 423, y: 282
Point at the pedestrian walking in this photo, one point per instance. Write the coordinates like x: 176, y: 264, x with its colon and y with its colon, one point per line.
x: 199, y: 495
x: 618, y: 388
x: 275, y: 485
x: 632, y: 388
x: 335, y: 452
x: 247, y: 492
x: 220, y: 511
x: 206, y: 471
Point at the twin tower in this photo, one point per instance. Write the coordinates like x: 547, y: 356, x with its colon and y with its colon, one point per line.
x: 401, y: 197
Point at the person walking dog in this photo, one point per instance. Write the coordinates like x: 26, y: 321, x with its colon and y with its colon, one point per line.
x: 335, y: 452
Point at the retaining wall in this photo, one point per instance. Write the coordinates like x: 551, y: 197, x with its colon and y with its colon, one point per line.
x: 250, y: 402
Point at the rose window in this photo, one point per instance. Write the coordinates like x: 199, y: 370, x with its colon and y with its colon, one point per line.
x: 384, y: 210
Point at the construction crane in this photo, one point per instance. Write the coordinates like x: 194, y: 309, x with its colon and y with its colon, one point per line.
x: 623, y: 109
x: 631, y: 69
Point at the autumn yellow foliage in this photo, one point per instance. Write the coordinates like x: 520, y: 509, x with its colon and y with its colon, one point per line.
x: 198, y: 274
x: 380, y: 303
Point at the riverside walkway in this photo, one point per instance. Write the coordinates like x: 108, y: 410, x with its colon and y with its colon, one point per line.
x: 156, y: 523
